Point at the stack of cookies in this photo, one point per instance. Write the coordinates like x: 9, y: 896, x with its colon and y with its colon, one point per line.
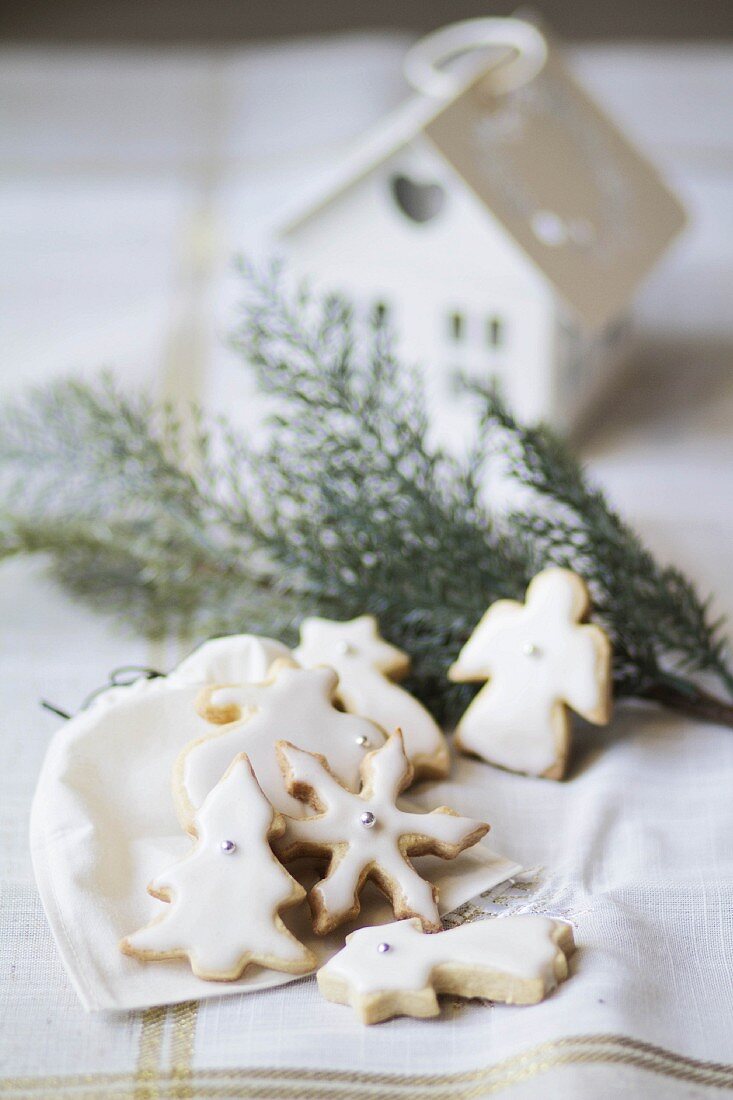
x: 310, y: 761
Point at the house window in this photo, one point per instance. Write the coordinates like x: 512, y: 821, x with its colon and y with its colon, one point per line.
x: 456, y: 326
x: 418, y: 201
x: 495, y: 334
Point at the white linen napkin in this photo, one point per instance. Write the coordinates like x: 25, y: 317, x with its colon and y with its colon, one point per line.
x: 103, y: 825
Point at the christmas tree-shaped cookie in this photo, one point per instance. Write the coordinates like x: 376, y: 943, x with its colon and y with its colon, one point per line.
x: 226, y: 895
x: 540, y: 659
x: 367, y: 836
x: 367, y: 667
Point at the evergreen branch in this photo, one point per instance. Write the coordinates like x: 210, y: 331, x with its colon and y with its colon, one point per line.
x: 658, y: 625
x: 97, y: 481
x: 376, y: 517
x: 347, y: 508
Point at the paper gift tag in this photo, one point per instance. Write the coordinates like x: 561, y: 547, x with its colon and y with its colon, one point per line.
x: 586, y: 207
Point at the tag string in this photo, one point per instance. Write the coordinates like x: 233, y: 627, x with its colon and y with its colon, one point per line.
x: 123, y: 676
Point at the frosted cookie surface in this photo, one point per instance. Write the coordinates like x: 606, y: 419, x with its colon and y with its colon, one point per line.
x: 399, y: 970
x: 367, y: 836
x: 226, y: 894
x: 367, y: 667
x: 295, y: 703
x: 540, y: 659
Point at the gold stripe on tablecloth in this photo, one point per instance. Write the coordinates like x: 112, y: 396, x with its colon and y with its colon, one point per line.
x: 183, y: 1041
x: 309, y: 1084
x: 150, y: 1047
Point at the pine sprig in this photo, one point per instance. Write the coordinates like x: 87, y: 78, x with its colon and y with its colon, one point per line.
x: 656, y: 620
x: 348, y: 507
x: 98, y: 481
x: 376, y: 518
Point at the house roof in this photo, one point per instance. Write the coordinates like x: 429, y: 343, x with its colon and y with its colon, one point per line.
x: 577, y: 198
x: 375, y: 147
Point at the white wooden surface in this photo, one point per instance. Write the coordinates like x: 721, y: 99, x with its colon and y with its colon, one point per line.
x: 128, y: 181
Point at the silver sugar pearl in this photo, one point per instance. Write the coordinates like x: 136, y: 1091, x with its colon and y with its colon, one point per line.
x: 530, y: 649
x: 362, y: 742
x: 227, y: 847
x: 383, y: 948
x: 368, y: 819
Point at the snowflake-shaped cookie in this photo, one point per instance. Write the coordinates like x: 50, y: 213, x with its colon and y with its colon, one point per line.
x: 367, y: 836
x: 539, y: 659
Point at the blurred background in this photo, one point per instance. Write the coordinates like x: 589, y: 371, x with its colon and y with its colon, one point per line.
x: 143, y: 145
x: 166, y: 21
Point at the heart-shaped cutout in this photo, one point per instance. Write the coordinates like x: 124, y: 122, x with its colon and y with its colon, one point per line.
x: 420, y: 202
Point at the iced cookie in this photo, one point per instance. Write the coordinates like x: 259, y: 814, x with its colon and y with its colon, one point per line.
x: 366, y: 836
x: 540, y: 660
x: 366, y: 667
x: 398, y: 970
x: 295, y: 703
x: 225, y: 896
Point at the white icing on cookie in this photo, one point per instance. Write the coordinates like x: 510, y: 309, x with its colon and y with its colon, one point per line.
x: 366, y: 666
x: 296, y: 703
x: 368, y: 836
x: 538, y: 660
x: 520, y: 958
x: 226, y: 893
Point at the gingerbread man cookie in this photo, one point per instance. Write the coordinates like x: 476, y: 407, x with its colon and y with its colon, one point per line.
x: 367, y: 666
x: 398, y: 970
x: 225, y: 896
x: 366, y: 836
x: 296, y: 703
x: 539, y: 659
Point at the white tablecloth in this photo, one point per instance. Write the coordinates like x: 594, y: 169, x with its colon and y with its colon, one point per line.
x: 129, y: 182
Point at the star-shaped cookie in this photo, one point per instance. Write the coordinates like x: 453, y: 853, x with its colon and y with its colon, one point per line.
x: 396, y: 970
x: 367, y: 836
x: 367, y: 667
